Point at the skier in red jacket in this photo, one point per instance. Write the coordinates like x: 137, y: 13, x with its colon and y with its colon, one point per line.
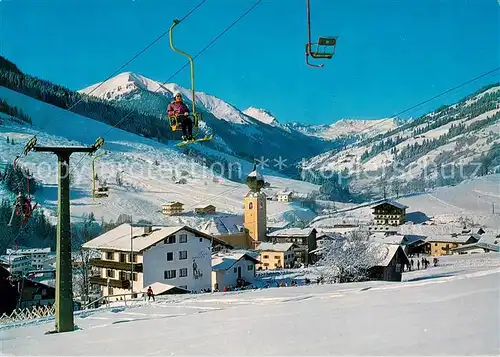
x: 177, y: 108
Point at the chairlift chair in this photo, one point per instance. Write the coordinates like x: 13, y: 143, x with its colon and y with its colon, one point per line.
x: 324, y: 48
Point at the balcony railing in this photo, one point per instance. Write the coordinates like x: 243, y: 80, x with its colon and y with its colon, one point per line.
x: 111, y: 264
x: 121, y: 284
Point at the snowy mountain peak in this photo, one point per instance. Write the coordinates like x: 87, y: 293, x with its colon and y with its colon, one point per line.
x: 261, y: 115
x: 124, y: 83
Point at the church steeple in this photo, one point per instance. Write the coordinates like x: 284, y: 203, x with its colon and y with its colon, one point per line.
x: 255, y: 207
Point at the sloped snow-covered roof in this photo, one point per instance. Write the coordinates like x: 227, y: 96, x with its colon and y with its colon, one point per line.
x: 120, y: 237
x: 392, y: 203
x: 274, y: 247
x: 223, y: 225
x: 388, y: 251
x: 161, y: 288
x: 28, y: 251
x: 224, y: 261
x: 481, y: 245
x: 292, y: 232
x: 389, y: 239
x: 448, y: 238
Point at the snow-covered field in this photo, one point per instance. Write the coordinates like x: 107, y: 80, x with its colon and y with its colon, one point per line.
x: 146, y: 186
x: 476, y: 199
x: 451, y: 309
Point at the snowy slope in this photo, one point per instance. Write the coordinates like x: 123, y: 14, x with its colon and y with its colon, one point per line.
x: 474, y: 199
x: 262, y: 115
x: 146, y: 185
x: 124, y: 83
x: 447, y: 311
x: 459, y: 148
x: 346, y: 128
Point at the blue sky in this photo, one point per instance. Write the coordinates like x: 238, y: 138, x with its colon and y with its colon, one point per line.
x: 390, y: 54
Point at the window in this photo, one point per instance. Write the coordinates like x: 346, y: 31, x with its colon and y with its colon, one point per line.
x: 183, y: 272
x: 201, y: 240
x: 183, y: 254
x: 250, y: 205
x: 110, y: 255
x: 183, y: 238
x: 250, y: 267
x: 277, y: 257
x: 169, y: 274
x: 134, y: 257
x: 170, y: 256
x: 266, y: 256
x: 169, y: 240
x: 123, y: 276
x: 123, y: 257
x: 110, y: 273
x: 235, y: 270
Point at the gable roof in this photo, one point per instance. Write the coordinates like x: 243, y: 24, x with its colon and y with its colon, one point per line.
x: 292, y: 232
x: 161, y: 288
x: 391, y: 251
x: 392, y: 203
x: 480, y: 245
x: 173, y: 203
x: 448, y: 238
x: 223, y: 225
x: 120, y: 237
x: 275, y: 247
x: 224, y: 261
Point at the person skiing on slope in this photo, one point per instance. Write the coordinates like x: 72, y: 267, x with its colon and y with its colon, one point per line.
x: 177, y: 108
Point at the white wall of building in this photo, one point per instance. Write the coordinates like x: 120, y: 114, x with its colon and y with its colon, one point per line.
x: 198, y: 249
x: 230, y: 276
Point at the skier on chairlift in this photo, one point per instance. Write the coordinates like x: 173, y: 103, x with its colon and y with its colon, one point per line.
x: 22, y: 207
x: 177, y: 108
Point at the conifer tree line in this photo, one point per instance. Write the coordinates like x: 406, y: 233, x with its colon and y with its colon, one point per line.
x: 137, y: 121
x: 14, y: 112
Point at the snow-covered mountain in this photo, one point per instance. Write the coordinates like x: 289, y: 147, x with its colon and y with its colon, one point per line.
x: 252, y: 133
x: 355, y: 128
x: 442, y: 147
x: 146, y: 168
x: 262, y: 115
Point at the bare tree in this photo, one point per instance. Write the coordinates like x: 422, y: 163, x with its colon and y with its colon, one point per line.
x: 83, y: 270
x: 396, y: 187
x: 349, y: 259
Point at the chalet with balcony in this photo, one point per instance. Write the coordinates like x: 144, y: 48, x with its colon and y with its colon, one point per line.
x: 304, y: 239
x: 389, y: 213
x: 172, y: 208
x: 133, y: 257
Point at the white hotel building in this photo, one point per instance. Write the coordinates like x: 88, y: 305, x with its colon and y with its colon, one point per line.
x: 162, y: 256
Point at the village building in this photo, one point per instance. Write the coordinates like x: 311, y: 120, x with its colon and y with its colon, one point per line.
x: 178, y: 256
x: 304, y: 238
x: 438, y: 245
x: 487, y: 243
x: 284, y: 196
x: 172, y: 208
x: 38, y: 256
x: 205, y: 209
x: 389, y: 213
x: 33, y: 293
x: 17, y: 265
x: 232, y: 269
x: 276, y: 255
x: 392, y: 265
x: 274, y: 226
